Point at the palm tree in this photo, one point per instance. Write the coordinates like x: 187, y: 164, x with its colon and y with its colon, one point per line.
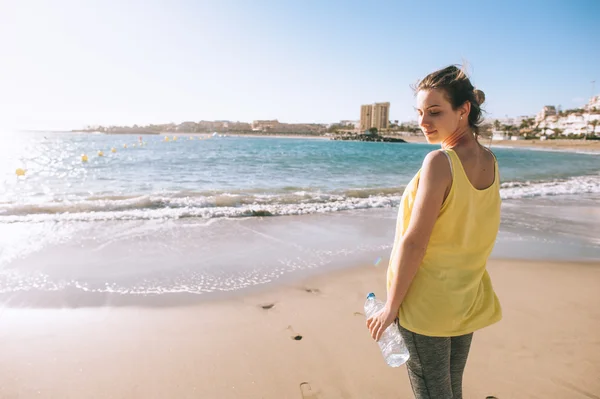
x: 497, y: 125
x: 531, y: 121
x: 508, y: 129
x: 524, y: 124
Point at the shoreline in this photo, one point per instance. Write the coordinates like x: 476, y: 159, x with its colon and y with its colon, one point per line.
x: 566, y: 145
x: 301, y: 339
x: 580, y: 146
x: 78, y: 300
x: 218, y: 258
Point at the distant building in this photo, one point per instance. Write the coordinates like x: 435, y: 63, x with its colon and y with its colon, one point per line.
x: 514, y: 121
x: 381, y: 116
x: 548, y: 110
x: 188, y: 127
x: 571, y: 124
x: 225, y: 124
x: 412, y: 124
x: 374, y: 116
x: 274, y: 126
x: 265, y: 125
x: 311, y: 128
x: 593, y: 104
x: 355, y: 124
x: 365, y: 117
x: 499, y: 136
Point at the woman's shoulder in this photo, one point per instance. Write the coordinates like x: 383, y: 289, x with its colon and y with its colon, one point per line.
x: 438, y: 165
x: 489, y: 153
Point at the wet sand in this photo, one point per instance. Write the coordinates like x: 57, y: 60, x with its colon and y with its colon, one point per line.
x: 302, y: 340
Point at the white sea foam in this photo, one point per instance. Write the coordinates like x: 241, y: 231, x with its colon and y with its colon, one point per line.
x: 572, y: 186
x: 195, y: 209
x: 233, y: 205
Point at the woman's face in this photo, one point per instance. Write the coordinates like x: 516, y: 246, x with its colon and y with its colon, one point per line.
x: 437, y: 119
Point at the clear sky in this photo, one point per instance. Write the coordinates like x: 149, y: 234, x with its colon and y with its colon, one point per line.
x: 67, y: 64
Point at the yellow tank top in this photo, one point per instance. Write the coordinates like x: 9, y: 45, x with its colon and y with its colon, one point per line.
x: 452, y: 293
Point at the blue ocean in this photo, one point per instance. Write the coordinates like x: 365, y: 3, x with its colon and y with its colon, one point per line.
x: 158, y: 214
x: 231, y: 177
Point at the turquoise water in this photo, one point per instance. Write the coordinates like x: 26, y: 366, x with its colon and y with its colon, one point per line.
x: 228, y: 176
x: 185, y: 217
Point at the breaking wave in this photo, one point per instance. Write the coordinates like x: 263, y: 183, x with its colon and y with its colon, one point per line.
x: 253, y: 203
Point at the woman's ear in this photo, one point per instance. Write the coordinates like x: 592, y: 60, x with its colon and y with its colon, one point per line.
x: 465, y: 109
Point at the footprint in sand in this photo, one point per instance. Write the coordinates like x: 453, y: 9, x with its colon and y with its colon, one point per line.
x: 312, y: 290
x: 295, y: 337
x: 307, y: 392
x: 267, y: 306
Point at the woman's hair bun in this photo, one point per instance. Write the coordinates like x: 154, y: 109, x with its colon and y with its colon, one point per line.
x: 457, y: 87
x: 479, y: 96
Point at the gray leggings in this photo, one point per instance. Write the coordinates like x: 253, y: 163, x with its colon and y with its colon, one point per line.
x: 436, y: 364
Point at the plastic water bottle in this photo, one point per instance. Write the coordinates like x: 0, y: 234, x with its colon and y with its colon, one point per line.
x: 391, y: 344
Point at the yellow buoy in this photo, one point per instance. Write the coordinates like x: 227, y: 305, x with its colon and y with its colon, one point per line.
x: 20, y: 172
x: 100, y: 154
x: 84, y: 158
x: 174, y: 138
x: 124, y: 145
x: 166, y: 138
x: 113, y: 150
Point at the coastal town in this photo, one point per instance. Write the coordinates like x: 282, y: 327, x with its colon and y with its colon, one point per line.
x: 374, y: 125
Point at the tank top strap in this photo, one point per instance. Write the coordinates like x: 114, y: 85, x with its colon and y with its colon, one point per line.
x: 454, y: 162
x: 457, y: 165
x: 490, y: 151
x: 450, y: 161
x: 496, y: 171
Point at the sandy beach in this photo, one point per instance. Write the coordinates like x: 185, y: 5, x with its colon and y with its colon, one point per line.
x: 592, y: 146
x: 554, y: 145
x: 173, y: 291
x: 302, y: 340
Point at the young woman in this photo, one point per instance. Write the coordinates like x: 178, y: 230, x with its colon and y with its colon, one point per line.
x: 438, y: 286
